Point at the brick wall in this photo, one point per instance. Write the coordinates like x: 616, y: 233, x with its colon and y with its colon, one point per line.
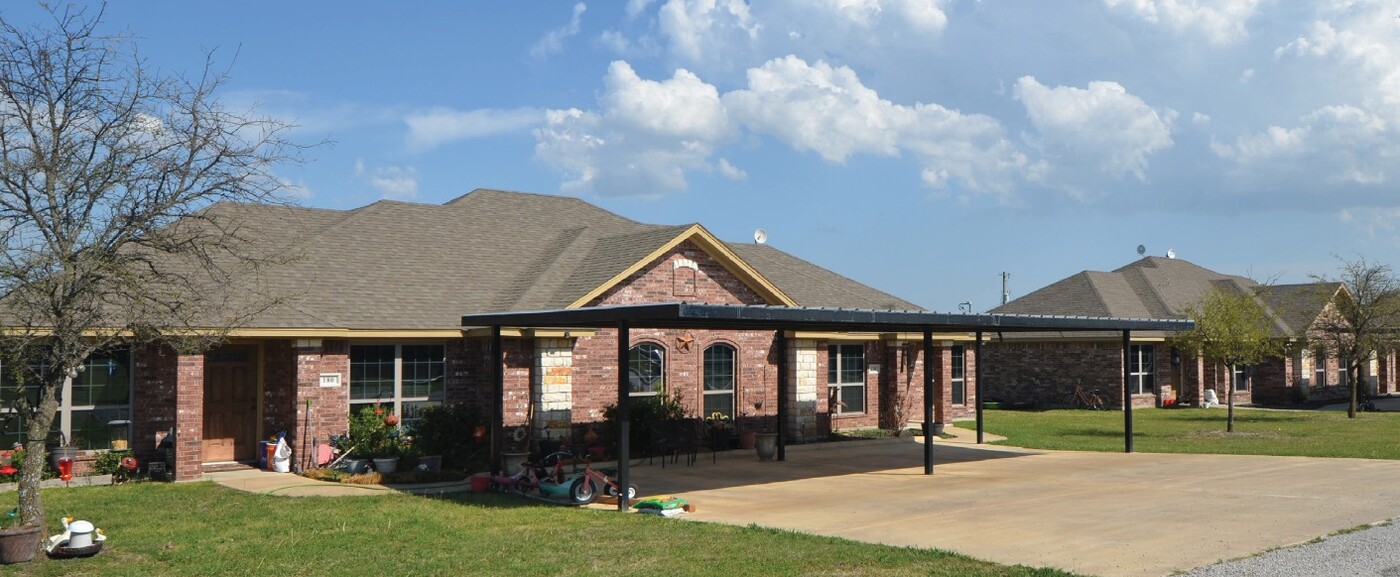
x: 153, y: 406
x: 329, y: 405
x: 189, y: 411
x: 1046, y: 373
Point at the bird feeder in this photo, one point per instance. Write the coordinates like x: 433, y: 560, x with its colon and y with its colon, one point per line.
x: 120, y: 434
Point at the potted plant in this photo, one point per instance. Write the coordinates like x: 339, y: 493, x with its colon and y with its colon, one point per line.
x: 18, y: 543
x: 513, y: 456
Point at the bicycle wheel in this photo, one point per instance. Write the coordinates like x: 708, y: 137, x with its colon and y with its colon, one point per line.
x: 582, y: 492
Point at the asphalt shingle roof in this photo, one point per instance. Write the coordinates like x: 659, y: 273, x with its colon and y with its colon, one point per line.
x: 400, y: 265
x: 1164, y: 288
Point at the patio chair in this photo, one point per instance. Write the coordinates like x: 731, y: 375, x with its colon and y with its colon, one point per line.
x: 671, y: 439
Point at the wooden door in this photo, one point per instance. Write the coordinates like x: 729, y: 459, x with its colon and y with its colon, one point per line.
x: 230, y: 404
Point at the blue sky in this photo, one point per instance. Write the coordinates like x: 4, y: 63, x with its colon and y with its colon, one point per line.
x: 920, y: 146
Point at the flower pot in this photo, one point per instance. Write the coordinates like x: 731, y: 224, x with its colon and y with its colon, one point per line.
x: 356, y: 466
x: 747, y: 439
x: 386, y: 464
x: 511, y: 461
x: 481, y: 483
x: 18, y: 544
x: 766, y: 444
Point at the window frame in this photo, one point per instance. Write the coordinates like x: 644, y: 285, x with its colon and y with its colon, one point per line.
x: 958, y: 359
x: 706, y: 393
x: 659, y: 377
x: 1320, y: 368
x: 836, y: 390
x: 398, y: 401
x: 67, y: 409
x: 1142, y: 376
x: 1239, y: 379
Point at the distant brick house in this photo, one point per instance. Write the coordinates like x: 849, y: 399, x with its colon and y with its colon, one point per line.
x: 377, y: 297
x: 1044, y: 368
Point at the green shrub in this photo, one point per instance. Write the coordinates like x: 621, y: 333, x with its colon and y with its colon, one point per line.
x: 450, y: 431
x: 647, y: 415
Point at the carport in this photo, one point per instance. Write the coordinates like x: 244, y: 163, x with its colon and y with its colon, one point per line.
x: 783, y: 320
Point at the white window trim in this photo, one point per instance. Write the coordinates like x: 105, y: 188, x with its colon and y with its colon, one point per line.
x: 1136, y: 377
x: 732, y: 391
x: 64, y: 415
x: 840, y: 385
x: 955, y: 380
x: 398, y: 401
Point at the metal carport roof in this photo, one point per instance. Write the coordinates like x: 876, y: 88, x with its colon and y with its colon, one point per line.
x: 782, y: 319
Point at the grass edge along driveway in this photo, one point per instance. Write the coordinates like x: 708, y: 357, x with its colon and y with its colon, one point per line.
x: 1202, y: 431
x: 204, y: 529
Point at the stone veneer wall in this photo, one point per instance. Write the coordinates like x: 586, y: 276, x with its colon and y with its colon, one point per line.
x: 553, y: 387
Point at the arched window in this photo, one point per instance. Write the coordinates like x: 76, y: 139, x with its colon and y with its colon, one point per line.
x: 646, y: 369
x: 719, y: 380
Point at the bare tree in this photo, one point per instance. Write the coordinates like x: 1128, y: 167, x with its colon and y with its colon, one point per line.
x: 115, y: 210
x: 1362, y: 320
x: 1232, y: 327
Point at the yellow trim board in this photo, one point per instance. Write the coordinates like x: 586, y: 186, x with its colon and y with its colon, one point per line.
x: 517, y: 332
x: 715, y: 249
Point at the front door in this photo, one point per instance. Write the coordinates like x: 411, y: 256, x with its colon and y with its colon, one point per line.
x: 230, y: 404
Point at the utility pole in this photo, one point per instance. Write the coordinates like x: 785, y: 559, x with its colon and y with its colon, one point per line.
x: 1005, y: 294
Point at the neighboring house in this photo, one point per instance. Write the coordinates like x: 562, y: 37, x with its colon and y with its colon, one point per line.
x: 1044, y: 368
x: 376, y: 295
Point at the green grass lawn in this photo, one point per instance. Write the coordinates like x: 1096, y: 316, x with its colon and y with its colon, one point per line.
x: 204, y: 529
x: 1257, y: 432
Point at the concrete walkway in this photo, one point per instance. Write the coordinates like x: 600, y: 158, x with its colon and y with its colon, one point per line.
x: 289, y: 485
x: 1091, y: 513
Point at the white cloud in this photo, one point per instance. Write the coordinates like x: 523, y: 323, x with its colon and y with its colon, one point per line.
x: 1102, y: 125
x: 1333, y: 145
x: 1219, y: 22
x: 643, y: 141
x: 392, y: 182
x: 925, y: 15
x: 553, y: 41
x: 730, y: 171
x: 295, y: 188
x: 683, y: 107
x: 1200, y: 119
x: 430, y: 128
x: 702, y: 29
x: 1356, y: 44
x: 636, y: 7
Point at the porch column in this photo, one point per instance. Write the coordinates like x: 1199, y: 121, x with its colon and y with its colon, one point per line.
x: 624, y: 417
x: 928, y: 401
x: 189, y: 417
x: 498, y: 392
x: 977, y: 382
x: 1127, y: 396
x: 780, y: 343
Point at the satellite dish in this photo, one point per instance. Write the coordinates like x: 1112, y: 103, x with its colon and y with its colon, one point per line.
x: 1142, y: 250
x: 1171, y: 253
x: 760, y: 236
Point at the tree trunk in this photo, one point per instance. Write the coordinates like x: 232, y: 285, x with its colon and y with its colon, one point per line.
x: 1230, y: 401
x: 1355, y: 388
x: 31, y: 505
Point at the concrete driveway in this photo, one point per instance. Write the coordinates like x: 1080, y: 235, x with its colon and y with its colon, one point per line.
x: 1091, y: 513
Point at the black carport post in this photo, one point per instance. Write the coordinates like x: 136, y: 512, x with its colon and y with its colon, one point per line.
x: 928, y: 401
x: 498, y: 399
x: 624, y: 416
x: 1127, y: 395
x: 977, y: 382
x: 781, y: 347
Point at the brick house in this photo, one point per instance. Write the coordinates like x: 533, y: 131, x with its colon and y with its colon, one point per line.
x: 373, y: 316
x: 1044, y: 368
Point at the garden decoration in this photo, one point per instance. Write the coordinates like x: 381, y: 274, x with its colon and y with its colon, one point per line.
x: 78, y: 539
x: 17, y: 542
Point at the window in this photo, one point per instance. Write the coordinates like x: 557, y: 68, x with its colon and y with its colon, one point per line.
x: 646, y: 370
x: 1241, y: 378
x: 408, y: 378
x: 98, y: 398
x: 1140, y: 373
x: 719, y: 380
x: 1320, y: 368
x: 845, y: 378
x: 959, y: 375
x: 1343, y: 375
